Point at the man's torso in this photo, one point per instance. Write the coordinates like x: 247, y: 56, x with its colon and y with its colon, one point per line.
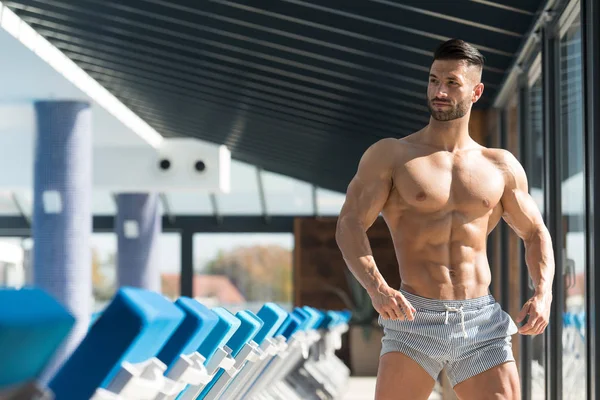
x: 440, y: 211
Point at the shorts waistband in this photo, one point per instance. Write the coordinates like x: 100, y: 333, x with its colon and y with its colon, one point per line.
x: 442, y: 305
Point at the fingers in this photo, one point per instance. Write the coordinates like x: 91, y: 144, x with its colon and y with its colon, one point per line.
x: 535, y: 325
x: 528, y: 328
x: 538, y: 311
x: 391, y: 314
x: 397, y: 312
x: 408, y: 310
x: 385, y: 315
x: 540, y: 326
x: 391, y: 309
x: 387, y: 311
x: 524, y: 312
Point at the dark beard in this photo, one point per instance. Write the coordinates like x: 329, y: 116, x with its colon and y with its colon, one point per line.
x: 458, y: 111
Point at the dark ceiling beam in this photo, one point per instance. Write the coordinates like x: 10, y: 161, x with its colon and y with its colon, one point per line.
x: 179, y: 88
x: 90, y: 49
x: 295, y: 10
x: 247, y: 23
x: 233, y: 92
x: 284, y: 114
x: 393, y: 94
x: 221, y: 36
x: 503, y: 21
x: 17, y: 225
x: 208, y: 79
x: 319, y: 97
x: 126, y: 27
x: 218, y: 42
x: 518, y: 6
x: 74, y: 36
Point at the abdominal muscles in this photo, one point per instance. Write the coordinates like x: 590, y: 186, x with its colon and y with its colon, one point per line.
x: 442, y: 255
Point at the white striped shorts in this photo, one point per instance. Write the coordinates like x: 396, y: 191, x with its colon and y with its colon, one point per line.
x: 467, y: 337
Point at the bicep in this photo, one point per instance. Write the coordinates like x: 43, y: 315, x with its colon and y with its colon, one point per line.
x: 369, y: 190
x: 520, y: 209
x: 521, y: 213
x: 365, y: 199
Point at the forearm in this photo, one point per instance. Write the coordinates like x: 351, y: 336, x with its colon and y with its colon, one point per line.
x: 354, y: 245
x: 539, y: 257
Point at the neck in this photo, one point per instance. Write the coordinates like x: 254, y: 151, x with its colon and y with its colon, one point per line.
x: 448, y: 135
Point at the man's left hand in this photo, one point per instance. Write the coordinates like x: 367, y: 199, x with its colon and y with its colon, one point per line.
x: 538, y: 309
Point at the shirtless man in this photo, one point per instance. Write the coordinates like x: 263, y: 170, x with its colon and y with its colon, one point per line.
x: 441, y: 194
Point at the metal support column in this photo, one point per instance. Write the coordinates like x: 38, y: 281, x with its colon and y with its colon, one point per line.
x: 187, y: 263
x: 504, y: 230
x: 552, y: 201
x: 590, y: 17
x: 526, y: 150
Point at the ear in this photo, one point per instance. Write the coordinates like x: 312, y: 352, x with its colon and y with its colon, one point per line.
x: 477, y: 92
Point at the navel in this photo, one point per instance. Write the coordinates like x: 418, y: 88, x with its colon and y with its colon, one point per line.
x: 421, y: 196
x: 486, y: 203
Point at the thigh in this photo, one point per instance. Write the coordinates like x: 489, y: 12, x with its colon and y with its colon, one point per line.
x: 498, y: 383
x: 400, y: 377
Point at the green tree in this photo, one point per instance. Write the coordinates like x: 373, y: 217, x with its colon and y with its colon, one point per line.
x: 259, y: 272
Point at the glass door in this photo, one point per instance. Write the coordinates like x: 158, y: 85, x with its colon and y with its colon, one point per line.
x: 535, y: 164
x: 573, y: 211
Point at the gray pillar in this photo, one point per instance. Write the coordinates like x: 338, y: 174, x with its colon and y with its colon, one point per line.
x: 62, y: 214
x: 138, y: 226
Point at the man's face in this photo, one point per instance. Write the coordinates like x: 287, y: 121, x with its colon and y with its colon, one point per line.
x: 453, y: 87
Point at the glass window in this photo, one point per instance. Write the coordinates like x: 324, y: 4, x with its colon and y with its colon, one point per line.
x: 25, y: 201
x: 189, y: 203
x: 169, y: 264
x: 573, y: 213
x: 103, y: 203
x: 535, y: 176
x: 329, y: 202
x: 104, y: 266
x: 287, y: 196
x: 13, y: 259
x: 243, y: 199
x: 7, y: 204
x: 243, y: 271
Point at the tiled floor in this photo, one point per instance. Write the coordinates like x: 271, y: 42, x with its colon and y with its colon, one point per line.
x: 364, y: 389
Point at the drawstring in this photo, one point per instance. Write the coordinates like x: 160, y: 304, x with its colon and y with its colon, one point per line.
x: 462, y: 317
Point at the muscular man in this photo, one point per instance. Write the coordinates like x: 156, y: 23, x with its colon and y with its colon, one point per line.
x: 441, y: 194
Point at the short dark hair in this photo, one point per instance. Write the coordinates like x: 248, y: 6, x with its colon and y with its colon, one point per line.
x: 457, y: 49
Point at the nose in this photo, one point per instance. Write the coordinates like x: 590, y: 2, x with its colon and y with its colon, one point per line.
x: 441, y: 92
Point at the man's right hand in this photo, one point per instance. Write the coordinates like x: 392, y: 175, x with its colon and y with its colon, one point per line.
x: 391, y: 304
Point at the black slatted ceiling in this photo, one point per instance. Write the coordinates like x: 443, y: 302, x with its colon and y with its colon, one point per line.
x: 298, y: 87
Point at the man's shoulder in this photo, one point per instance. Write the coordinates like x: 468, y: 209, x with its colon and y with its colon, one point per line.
x: 508, y: 163
x: 502, y: 157
x: 394, y: 146
x: 383, y: 149
x: 385, y: 143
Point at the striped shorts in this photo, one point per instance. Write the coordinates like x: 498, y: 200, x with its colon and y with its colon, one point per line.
x: 467, y: 337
